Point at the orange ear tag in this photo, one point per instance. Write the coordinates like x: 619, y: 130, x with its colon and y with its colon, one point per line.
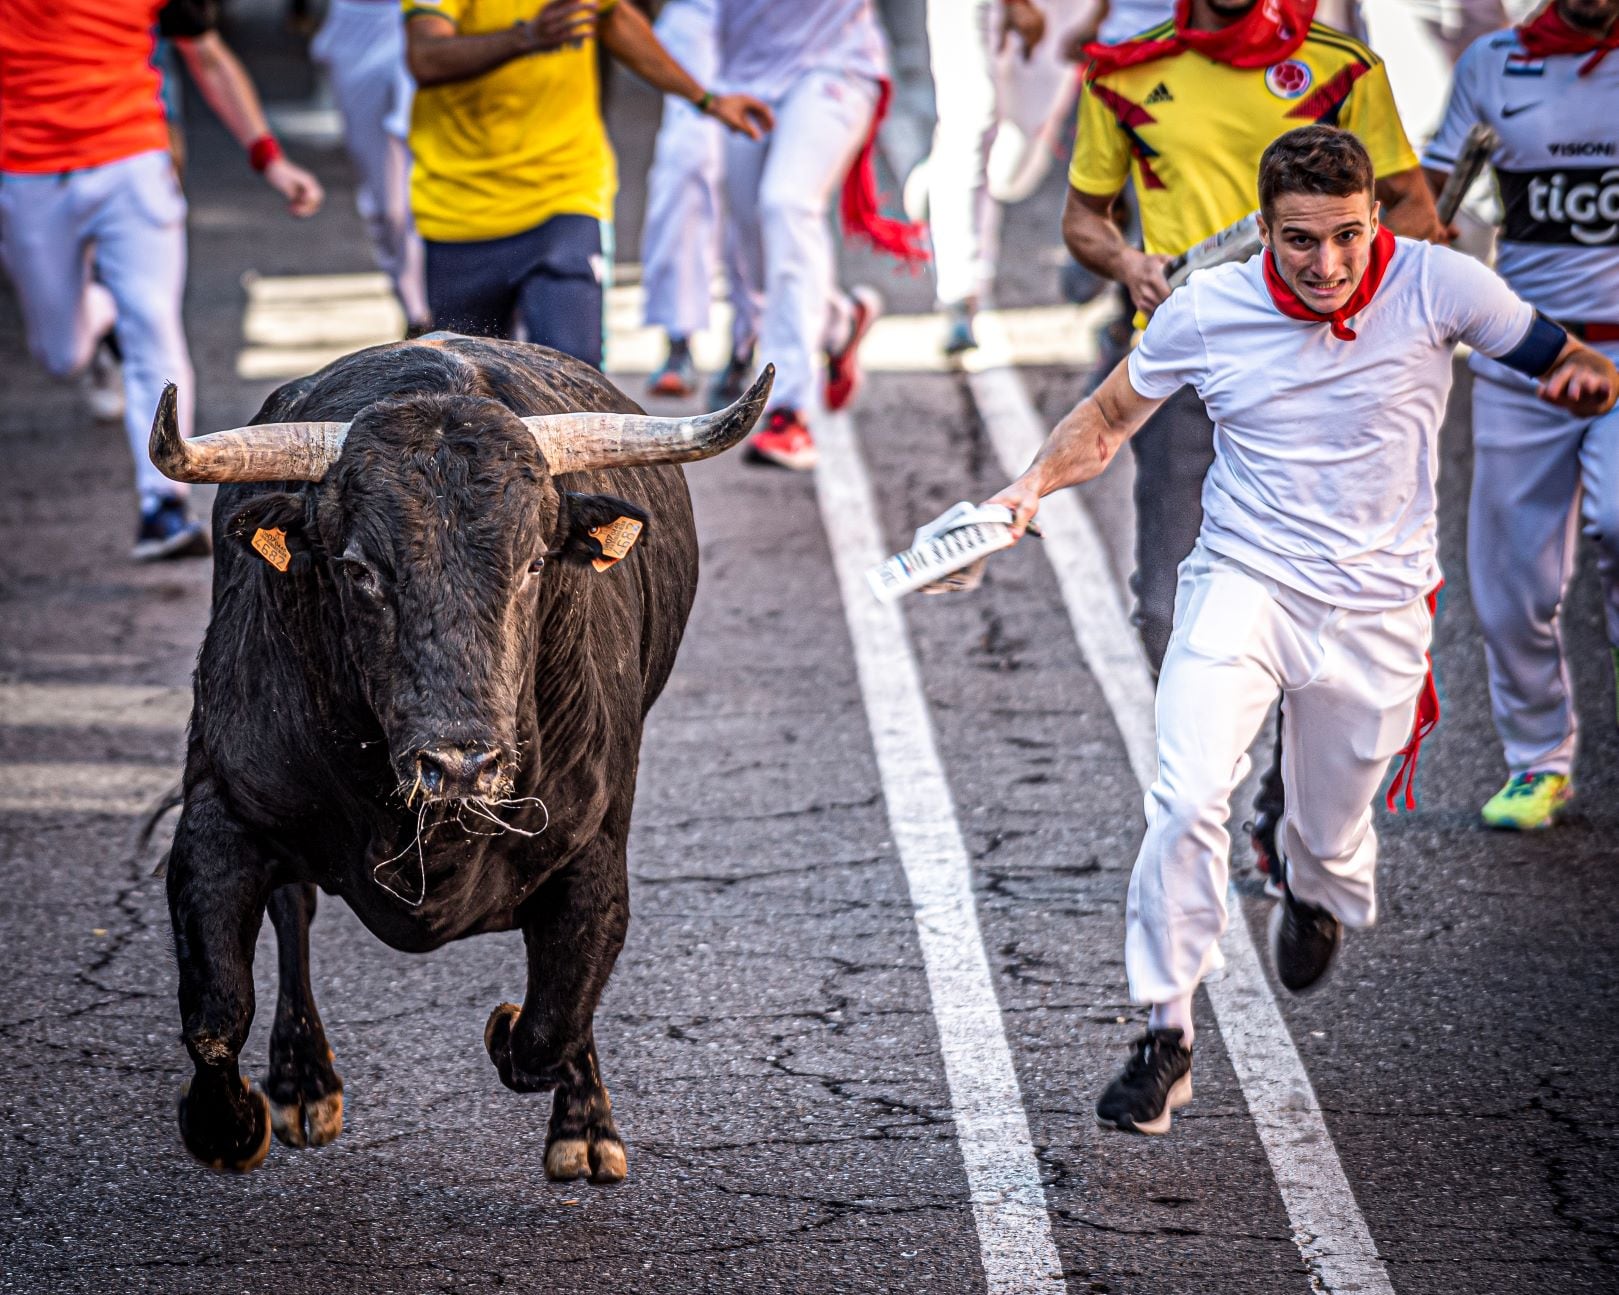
x: 616, y: 538
x: 271, y: 545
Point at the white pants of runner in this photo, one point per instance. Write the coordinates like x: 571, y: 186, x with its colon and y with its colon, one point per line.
x: 362, y: 47
x: 1349, y: 680
x: 127, y: 220
x: 1538, y: 472
x: 682, y: 226
x: 997, y: 117
x: 777, y: 192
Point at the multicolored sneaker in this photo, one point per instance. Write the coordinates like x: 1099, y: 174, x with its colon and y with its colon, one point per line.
x: 678, y: 376
x: 168, y: 530
x: 1529, y: 802
x: 843, y: 375
x: 958, y: 330
x: 784, y: 441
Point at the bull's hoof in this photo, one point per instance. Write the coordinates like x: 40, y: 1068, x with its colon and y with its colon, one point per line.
x: 229, y: 1133
x: 306, y: 1095
x: 309, y: 1123
x: 602, y: 1161
x: 497, y: 1035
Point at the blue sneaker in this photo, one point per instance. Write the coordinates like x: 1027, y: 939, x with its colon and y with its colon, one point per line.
x: 959, y: 335
x: 168, y: 530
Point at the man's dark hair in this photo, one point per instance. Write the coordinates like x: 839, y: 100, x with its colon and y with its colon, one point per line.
x: 1313, y: 159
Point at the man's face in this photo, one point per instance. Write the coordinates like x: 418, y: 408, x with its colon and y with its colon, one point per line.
x: 1322, y: 244
x: 1589, y: 15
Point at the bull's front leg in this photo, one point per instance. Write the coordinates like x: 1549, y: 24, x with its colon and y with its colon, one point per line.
x: 306, y: 1094
x: 573, y: 927
x: 218, y: 883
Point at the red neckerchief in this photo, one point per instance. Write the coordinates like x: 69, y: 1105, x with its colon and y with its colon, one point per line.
x: 1550, y: 34
x: 1288, y: 303
x: 862, y: 205
x: 1266, y: 34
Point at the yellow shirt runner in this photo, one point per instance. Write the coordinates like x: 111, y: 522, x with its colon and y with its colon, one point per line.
x: 506, y: 151
x: 1190, y: 131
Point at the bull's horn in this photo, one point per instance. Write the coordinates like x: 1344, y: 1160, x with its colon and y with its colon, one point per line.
x: 580, y: 442
x: 262, y: 452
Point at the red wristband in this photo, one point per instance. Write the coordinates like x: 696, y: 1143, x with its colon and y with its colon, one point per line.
x: 262, y: 151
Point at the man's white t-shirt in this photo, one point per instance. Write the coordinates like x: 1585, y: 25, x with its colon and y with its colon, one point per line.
x: 1326, y: 452
x: 767, y: 45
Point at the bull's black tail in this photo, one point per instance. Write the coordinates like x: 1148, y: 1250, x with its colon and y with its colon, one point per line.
x: 170, y: 799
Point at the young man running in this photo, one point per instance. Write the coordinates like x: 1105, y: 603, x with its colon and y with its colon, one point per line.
x: 822, y: 66
x: 513, y: 176
x: 1551, y: 91
x: 87, y: 184
x: 1325, y: 364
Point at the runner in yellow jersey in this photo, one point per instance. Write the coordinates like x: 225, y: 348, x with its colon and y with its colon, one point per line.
x: 513, y: 175
x: 1185, y: 110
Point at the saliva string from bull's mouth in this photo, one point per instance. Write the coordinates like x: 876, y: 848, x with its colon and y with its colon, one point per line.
x: 479, y: 807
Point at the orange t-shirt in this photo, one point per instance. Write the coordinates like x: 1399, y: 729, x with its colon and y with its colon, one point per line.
x: 77, y: 86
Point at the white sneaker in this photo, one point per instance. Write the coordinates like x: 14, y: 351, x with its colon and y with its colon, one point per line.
x: 103, y: 384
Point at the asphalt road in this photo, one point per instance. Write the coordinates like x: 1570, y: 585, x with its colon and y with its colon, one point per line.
x: 769, y: 1034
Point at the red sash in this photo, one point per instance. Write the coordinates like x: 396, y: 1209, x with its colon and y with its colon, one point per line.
x: 1550, y: 34
x: 1427, y: 719
x: 1266, y: 34
x: 862, y: 205
x: 1287, y: 301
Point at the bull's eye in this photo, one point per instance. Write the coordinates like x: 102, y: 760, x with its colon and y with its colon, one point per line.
x: 534, y: 566
x: 362, y: 578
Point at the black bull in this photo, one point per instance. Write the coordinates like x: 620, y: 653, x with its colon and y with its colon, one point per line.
x: 418, y: 693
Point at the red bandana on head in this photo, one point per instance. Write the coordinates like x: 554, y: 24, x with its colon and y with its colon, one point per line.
x: 1287, y: 301
x: 1266, y: 34
x: 1550, y: 34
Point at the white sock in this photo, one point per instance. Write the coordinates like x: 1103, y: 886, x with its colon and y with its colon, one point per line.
x: 1176, y: 1015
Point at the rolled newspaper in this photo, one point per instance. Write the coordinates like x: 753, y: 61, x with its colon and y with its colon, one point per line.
x: 947, y: 555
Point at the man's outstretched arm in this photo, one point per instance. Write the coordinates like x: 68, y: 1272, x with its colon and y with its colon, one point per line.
x: 1080, y: 446
x: 1581, y: 380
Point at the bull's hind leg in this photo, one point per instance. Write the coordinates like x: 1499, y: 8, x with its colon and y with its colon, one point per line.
x: 574, y: 928
x: 218, y: 882
x: 306, y: 1094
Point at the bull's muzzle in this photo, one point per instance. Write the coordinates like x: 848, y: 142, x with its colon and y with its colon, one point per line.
x: 445, y: 771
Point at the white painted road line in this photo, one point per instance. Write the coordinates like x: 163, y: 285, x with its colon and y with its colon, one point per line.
x: 83, y: 788
x: 94, y: 706
x: 1328, y: 1228
x: 1003, y: 1177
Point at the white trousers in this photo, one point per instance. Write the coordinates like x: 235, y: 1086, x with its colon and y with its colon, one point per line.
x: 362, y: 47
x: 127, y: 220
x: 1538, y: 472
x: 777, y: 192
x: 1350, y: 681
x: 682, y: 227
x: 997, y: 117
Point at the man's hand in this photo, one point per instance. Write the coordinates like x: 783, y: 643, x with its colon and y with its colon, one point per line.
x: 1582, y: 381
x: 1022, y: 497
x: 1144, y: 279
x: 743, y: 114
x: 1026, y: 22
x: 561, y: 22
x: 301, y: 190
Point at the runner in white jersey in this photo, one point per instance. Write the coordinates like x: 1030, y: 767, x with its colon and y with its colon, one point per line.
x: 822, y: 66
x: 1553, y: 98
x: 681, y: 232
x: 361, y: 44
x: 1325, y: 365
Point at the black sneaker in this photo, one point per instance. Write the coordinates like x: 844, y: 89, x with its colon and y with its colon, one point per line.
x: 1304, y: 939
x: 168, y: 530
x: 731, y: 382
x: 1155, y: 1081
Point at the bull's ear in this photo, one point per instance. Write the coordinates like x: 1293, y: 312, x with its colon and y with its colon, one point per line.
x: 274, y: 527
x: 599, y: 529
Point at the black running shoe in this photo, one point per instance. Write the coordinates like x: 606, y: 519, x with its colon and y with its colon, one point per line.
x: 732, y: 381
x: 168, y: 530
x: 1304, y: 939
x: 1155, y: 1081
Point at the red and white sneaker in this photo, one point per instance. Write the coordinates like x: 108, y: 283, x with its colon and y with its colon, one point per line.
x: 843, y: 375
x: 784, y: 440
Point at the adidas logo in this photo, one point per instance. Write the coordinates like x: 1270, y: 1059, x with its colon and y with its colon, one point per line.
x: 1160, y: 94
